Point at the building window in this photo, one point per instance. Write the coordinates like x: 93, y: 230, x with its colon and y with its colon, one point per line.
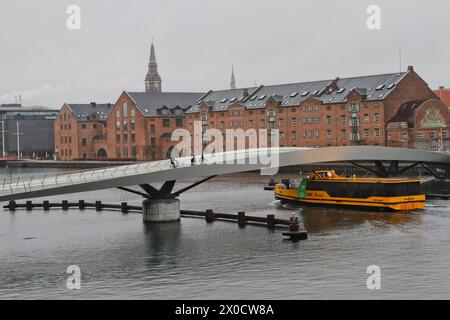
x: 133, y: 152
x: 133, y: 124
x: 117, y: 114
x: 179, y: 122
x: 328, y: 120
x: 377, y: 132
x: 376, y: 117
x: 317, y: 120
x: 132, y: 113
x: 117, y: 138
x: 166, y: 123
x: 125, y: 138
x: 366, y: 118
x: 250, y: 123
x: 222, y: 124
x: 83, y: 126
x: 405, y: 135
x: 152, y: 129
x: 293, y: 109
x: 420, y: 135
x: 432, y: 135
x: 444, y: 134
x: 354, y: 107
x: 316, y: 134
x: 84, y: 142
x: 263, y: 124
x: 125, y: 109
x: 343, y: 134
x: 125, y: 125
x: 329, y: 134
x: 366, y: 133
x: 304, y: 120
x: 133, y: 138
x: 118, y: 125
x: 310, y: 120
x: 281, y: 122
x: 236, y: 123
x: 343, y: 119
x: 153, y: 142
x: 294, y: 122
x: 294, y: 135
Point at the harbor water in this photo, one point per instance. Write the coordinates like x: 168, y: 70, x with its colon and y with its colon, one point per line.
x: 120, y: 257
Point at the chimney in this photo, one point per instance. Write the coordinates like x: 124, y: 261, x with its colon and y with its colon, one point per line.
x: 410, y: 68
x: 245, y: 94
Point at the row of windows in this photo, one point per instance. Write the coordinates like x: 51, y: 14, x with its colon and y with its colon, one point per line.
x: 123, y: 153
x: 365, y: 190
x: 125, y: 138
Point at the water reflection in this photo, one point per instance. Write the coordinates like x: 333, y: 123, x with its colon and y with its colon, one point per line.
x: 318, y: 220
x: 162, y: 242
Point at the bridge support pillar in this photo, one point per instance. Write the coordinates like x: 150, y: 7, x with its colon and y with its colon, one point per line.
x: 161, y: 210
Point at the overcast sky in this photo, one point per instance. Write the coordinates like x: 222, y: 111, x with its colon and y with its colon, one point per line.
x: 197, y: 41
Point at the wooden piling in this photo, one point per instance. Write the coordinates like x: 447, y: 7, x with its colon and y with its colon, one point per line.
x: 241, y: 218
x: 12, y: 205
x: 271, y: 221
x: 98, y: 206
x: 46, y: 205
x: 124, y: 207
x: 210, y: 216
x: 65, y: 205
x: 29, y: 205
x: 81, y: 204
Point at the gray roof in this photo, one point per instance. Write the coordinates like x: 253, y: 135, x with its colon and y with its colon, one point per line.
x: 375, y: 87
x: 82, y: 111
x: 152, y: 103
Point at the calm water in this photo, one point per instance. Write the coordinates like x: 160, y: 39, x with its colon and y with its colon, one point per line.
x: 120, y: 257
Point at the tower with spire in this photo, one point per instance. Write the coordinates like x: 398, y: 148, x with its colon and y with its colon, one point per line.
x: 233, y: 79
x: 152, y: 80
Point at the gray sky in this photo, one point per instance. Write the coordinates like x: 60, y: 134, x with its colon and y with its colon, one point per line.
x: 197, y: 41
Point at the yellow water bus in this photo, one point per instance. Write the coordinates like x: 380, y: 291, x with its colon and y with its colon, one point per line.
x: 326, y: 188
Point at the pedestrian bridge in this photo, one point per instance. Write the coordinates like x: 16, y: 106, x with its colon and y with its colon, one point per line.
x: 145, y: 174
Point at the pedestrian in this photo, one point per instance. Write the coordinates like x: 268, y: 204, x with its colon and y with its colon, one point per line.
x: 193, y: 160
x: 203, y: 158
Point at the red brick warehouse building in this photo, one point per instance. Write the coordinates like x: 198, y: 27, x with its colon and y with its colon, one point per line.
x: 80, y: 131
x: 339, y: 112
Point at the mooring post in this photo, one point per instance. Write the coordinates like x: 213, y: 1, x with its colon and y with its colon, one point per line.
x: 12, y: 205
x: 46, y: 205
x: 29, y: 205
x: 65, y: 205
x: 81, y: 204
x: 271, y: 221
x: 241, y: 218
x: 98, y: 206
x: 210, y: 216
x: 124, y: 207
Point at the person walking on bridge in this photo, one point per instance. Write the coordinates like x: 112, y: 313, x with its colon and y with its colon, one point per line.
x: 193, y: 160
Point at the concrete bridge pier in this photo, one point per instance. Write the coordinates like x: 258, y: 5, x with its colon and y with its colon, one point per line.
x: 161, y: 210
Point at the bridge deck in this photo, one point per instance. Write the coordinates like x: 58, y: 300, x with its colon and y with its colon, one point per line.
x: 217, y: 164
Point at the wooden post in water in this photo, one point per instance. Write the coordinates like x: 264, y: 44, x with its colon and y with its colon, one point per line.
x: 65, y: 205
x: 241, y: 218
x: 46, y: 205
x: 124, y: 207
x: 12, y: 205
x: 210, y: 216
x: 81, y: 205
x: 98, y: 206
x: 271, y: 221
x: 29, y: 205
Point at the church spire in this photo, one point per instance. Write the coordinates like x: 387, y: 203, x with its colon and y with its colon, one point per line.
x: 152, y: 80
x: 233, y: 79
